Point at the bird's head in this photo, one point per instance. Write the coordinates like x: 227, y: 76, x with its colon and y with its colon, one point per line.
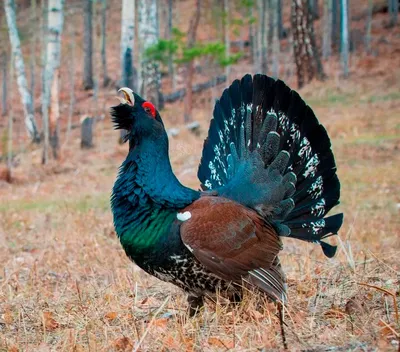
x: 137, y: 116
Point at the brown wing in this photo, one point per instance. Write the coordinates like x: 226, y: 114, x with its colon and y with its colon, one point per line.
x: 234, y: 242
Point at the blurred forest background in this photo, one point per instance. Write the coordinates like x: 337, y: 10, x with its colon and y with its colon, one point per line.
x: 53, y: 52
x: 65, y: 283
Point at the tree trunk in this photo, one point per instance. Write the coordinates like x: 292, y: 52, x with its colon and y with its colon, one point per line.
x: 171, y: 69
x: 344, y: 47
x: 227, y: 36
x: 308, y: 63
x: 53, y: 52
x: 32, y: 59
x: 191, y: 39
x: 10, y: 125
x: 149, y: 36
x: 280, y: 21
x: 264, y: 34
x: 368, y: 27
x: 88, y: 45
x: 127, y: 46
x: 393, y: 9
x: 327, y: 35
x: 335, y: 23
x: 252, y: 40
x: 4, y: 84
x: 25, y: 95
x: 87, y: 125
x: 54, y: 115
x: 106, y: 79
x: 72, y: 74
x: 127, y: 39
x: 275, y: 38
x: 314, y: 8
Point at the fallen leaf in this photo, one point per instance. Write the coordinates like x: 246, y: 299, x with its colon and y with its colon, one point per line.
x: 162, y: 322
x: 49, y: 322
x: 110, y: 316
x: 123, y: 344
x: 387, y: 329
x: 13, y: 349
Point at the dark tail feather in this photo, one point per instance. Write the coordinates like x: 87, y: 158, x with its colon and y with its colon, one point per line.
x: 267, y: 150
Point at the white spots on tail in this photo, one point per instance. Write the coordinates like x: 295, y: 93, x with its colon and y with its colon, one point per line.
x: 316, y: 226
x: 319, y: 208
x: 311, y: 166
x: 305, y: 148
x: 316, y: 188
x: 184, y: 216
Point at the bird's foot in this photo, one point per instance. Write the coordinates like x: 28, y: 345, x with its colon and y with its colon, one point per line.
x: 195, y: 303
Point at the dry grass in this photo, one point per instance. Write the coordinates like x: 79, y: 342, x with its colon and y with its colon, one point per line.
x: 66, y: 284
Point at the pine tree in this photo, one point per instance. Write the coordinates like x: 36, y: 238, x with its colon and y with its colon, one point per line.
x: 307, y: 59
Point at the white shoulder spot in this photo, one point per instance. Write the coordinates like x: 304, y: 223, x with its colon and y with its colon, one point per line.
x: 184, y: 216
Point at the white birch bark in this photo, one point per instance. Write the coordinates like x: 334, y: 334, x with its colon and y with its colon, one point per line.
x: 344, y: 39
x: 149, y: 35
x: 53, y: 51
x: 127, y: 40
x: 26, y: 96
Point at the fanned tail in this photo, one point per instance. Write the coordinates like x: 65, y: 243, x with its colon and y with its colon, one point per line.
x: 266, y: 149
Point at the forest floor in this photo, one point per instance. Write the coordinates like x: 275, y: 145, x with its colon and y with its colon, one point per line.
x: 66, y: 284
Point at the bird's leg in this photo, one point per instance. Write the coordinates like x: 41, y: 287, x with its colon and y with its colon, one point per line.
x: 282, y: 322
x: 195, y: 303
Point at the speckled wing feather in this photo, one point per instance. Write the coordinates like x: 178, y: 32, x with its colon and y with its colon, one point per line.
x: 266, y: 150
x: 235, y: 243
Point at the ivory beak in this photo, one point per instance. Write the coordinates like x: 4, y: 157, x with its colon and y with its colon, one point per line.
x: 128, y: 96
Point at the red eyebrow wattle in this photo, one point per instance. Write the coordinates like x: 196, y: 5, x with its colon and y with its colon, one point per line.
x: 152, y: 108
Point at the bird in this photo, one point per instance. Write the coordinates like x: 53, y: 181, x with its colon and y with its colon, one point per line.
x: 267, y: 171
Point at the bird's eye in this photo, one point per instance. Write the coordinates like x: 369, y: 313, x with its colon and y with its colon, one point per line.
x: 149, y: 108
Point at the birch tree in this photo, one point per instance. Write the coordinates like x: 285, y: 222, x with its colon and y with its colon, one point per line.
x: 127, y: 40
x: 26, y: 96
x: 149, y: 35
x: 32, y: 59
x: 344, y: 43
x: 88, y: 45
x: 55, y: 21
